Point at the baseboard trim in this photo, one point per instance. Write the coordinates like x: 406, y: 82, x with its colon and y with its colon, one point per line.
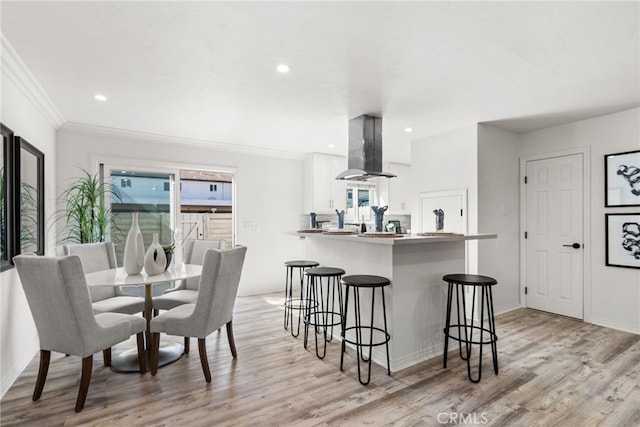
x: 613, y: 324
x: 12, y: 374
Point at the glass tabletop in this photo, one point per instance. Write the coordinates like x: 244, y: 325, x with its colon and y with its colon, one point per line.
x: 118, y: 277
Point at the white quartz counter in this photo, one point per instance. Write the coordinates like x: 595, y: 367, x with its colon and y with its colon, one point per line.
x: 407, y: 239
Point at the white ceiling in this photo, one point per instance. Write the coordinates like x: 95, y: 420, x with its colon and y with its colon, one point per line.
x: 206, y: 70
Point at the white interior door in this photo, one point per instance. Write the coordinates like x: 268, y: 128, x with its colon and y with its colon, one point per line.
x: 554, y: 225
x: 454, y: 205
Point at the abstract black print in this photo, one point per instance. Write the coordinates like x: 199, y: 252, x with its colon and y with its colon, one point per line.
x: 622, y: 179
x: 623, y: 240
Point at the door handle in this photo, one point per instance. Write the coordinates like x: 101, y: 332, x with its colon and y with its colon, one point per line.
x: 574, y: 246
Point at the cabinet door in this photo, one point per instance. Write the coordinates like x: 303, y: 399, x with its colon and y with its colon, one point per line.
x: 323, y: 193
x: 399, y: 196
x: 322, y: 201
x: 338, y: 188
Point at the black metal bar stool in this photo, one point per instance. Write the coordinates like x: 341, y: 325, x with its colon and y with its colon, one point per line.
x: 358, y: 282
x: 466, y: 330
x: 300, y: 303
x: 323, y: 283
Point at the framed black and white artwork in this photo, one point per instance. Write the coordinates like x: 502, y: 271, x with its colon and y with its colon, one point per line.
x: 622, y: 179
x: 622, y: 231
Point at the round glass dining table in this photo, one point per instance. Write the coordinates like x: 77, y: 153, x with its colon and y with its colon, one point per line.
x: 127, y: 361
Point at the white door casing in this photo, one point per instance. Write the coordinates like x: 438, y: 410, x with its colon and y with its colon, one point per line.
x: 554, y: 221
x: 454, y: 205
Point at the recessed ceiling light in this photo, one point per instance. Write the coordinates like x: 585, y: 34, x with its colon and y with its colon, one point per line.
x: 283, y: 68
x: 100, y: 97
x: 407, y: 130
x: 331, y: 145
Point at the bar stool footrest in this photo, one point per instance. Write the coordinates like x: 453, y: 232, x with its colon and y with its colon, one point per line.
x: 297, y: 304
x: 368, y: 329
x: 494, y: 337
x: 308, y: 318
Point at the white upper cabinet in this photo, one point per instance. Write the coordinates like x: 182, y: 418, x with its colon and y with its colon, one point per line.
x: 323, y: 192
x: 396, y: 192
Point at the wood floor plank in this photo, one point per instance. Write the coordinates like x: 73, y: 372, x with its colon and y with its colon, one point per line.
x: 553, y: 371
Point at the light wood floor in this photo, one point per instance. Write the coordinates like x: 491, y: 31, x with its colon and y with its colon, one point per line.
x: 553, y: 371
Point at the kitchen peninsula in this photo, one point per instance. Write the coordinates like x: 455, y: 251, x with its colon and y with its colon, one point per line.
x: 416, y: 300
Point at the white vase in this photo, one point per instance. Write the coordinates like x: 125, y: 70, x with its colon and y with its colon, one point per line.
x: 155, y: 260
x: 134, y: 248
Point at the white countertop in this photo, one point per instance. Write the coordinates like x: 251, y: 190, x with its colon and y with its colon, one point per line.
x: 407, y: 239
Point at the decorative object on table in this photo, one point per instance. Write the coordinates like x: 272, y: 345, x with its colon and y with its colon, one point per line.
x: 439, y: 219
x: 313, y: 221
x: 154, y: 260
x: 133, y: 259
x: 391, y: 227
x: 379, y: 215
x: 168, y: 253
x: 622, y: 232
x: 622, y: 179
x: 87, y: 217
x: 340, y: 218
x: 363, y: 226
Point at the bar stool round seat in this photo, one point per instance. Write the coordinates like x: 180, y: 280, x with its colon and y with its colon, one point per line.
x: 323, y: 285
x: 467, y: 328
x: 292, y: 303
x: 360, y: 331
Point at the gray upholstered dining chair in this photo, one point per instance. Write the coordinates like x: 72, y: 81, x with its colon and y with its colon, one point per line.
x: 105, y: 299
x: 58, y: 297
x: 186, y: 291
x: 221, y: 270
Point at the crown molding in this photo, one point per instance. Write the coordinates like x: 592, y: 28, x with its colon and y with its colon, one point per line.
x: 87, y: 129
x: 16, y: 70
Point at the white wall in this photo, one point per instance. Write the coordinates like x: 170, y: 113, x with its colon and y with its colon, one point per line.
x: 615, y: 292
x: 267, y: 204
x: 447, y: 161
x: 484, y: 160
x: 21, y: 113
x: 498, y: 212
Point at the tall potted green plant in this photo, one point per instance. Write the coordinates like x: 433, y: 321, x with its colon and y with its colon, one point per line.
x: 87, y: 217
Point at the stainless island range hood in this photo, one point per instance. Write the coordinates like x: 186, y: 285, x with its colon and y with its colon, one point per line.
x: 365, y: 150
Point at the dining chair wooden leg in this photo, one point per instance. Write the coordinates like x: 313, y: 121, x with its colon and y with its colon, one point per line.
x: 186, y: 345
x: 202, y: 349
x: 155, y: 350
x: 87, y: 364
x: 232, y: 343
x: 106, y: 357
x: 45, y: 357
x: 142, y: 356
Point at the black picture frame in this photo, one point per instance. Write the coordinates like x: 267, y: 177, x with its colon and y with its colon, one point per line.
x: 29, y: 170
x: 622, y: 239
x: 622, y: 179
x: 8, y: 199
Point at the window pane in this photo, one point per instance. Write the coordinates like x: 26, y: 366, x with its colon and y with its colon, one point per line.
x: 144, y: 193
